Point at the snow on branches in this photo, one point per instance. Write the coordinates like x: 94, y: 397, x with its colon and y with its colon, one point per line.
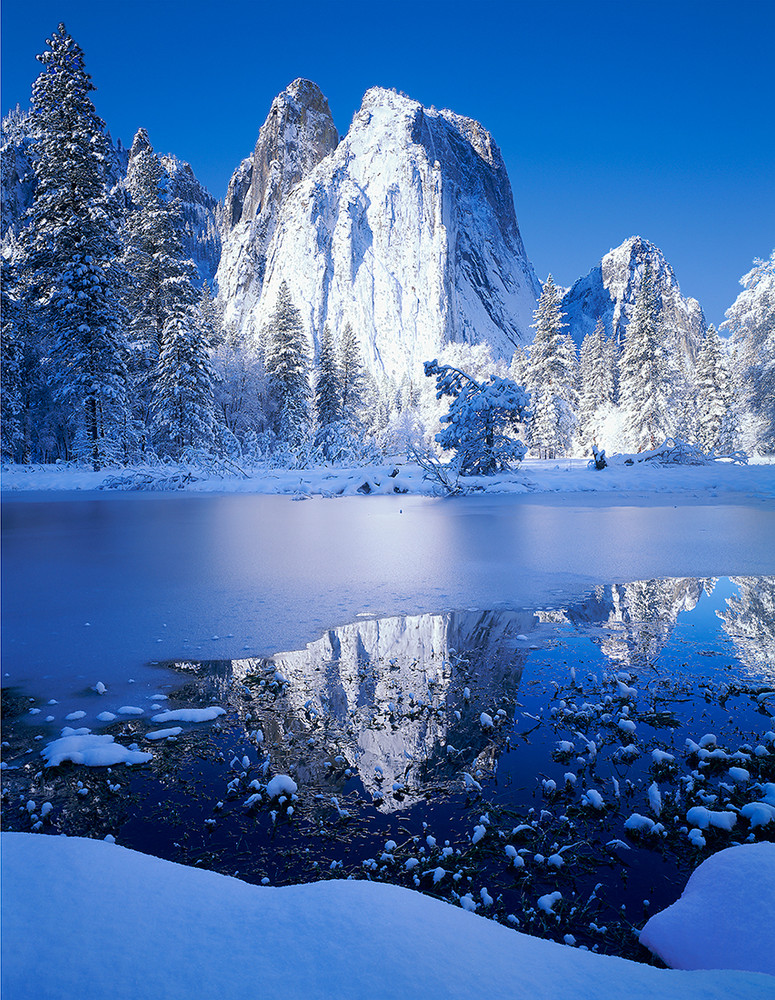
x: 482, y: 420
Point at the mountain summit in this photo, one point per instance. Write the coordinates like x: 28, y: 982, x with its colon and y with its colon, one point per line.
x: 611, y: 287
x: 406, y: 229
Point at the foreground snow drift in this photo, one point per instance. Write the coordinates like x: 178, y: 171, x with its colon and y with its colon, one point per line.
x: 725, y: 918
x: 90, y: 919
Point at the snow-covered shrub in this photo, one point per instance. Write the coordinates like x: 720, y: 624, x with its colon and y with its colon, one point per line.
x: 481, y: 419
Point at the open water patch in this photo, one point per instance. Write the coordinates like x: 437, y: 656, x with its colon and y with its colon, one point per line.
x: 560, y: 769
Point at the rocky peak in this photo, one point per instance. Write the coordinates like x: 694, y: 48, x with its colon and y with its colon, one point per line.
x: 610, y: 289
x: 298, y: 132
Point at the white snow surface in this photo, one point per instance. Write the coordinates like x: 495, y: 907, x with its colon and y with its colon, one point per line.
x: 725, y: 918
x: 189, y: 714
x: 217, y: 936
x: 719, y: 482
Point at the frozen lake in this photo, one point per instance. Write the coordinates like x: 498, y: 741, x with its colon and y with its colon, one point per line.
x: 94, y: 588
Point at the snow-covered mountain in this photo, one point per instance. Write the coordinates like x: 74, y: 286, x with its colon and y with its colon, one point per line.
x: 406, y: 229
x: 16, y: 174
x: 297, y: 134
x: 610, y: 289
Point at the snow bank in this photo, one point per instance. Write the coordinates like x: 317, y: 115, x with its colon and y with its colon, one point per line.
x: 281, y: 784
x: 215, y: 936
x: 570, y: 475
x: 725, y: 918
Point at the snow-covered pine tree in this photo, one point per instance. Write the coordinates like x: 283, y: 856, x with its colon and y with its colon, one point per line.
x: 518, y: 369
x: 328, y: 397
x: 288, y: 373
x: 11, y: 371
x: 751, y: 322
x: 183, y: 402
x: 353, y: 378
x: 713, y: 393
x: 552, y: 377
x: 171, y: 340
x: 597, y: 378
x: 75, y: 252
x: 643, y: 393
x: 147, y: 225
x: 481, y: 419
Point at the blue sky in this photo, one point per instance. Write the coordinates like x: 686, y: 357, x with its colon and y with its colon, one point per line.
x: 614, y: 118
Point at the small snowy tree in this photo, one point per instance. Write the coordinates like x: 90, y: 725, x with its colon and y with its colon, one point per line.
x: 328, y: 398
x: 481, y: 419
x: 353, y: 380
x: 552, y: 377
x: 183, y: 404
x: 288, y: 373
x: 714, y: 420
x: 597, y: 378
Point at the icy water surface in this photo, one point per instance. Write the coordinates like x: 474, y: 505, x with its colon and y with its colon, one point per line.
x: 492, y: 758
x: 94, y: 588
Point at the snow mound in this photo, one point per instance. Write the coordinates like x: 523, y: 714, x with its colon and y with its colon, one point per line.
x: 189, y: 715
x: 91, y: 750
x: 212, y: 930
x: 725, y: 918
x: 281, y: 784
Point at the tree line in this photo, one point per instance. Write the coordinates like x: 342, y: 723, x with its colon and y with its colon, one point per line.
x: 112, y: 353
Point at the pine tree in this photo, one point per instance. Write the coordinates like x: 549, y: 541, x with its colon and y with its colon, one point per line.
x: 715, y: 423
x: 147, y: 238
x: 11, y: 372
x: 751, y: 321
x: 183, y: 404
x: 288, y: 373
x: 552, y: 377
x: 328, y: 397
x: 171, y: 339
x: 353, y: 378
x: 597, y: 377
x: 643, y: 393
x: 74, y: 252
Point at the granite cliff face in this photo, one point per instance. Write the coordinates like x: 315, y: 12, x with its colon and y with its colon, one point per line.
x: 611, y: 287
x: 406, y: 229
x: 297, y: 134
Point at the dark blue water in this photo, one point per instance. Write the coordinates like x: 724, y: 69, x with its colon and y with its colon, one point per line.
x: 379, y: 722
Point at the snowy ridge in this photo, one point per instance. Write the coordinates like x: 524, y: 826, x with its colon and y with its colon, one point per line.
x: 610, y: 289
x: 406, y: 230
x: 200, y: 233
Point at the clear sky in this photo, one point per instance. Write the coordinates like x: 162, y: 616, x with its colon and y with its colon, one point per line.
x: 614, y: 118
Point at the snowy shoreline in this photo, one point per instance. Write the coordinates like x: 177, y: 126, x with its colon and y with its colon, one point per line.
x: 534, y: 481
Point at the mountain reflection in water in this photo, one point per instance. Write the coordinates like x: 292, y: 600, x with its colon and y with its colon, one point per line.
x: 399, y: 701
